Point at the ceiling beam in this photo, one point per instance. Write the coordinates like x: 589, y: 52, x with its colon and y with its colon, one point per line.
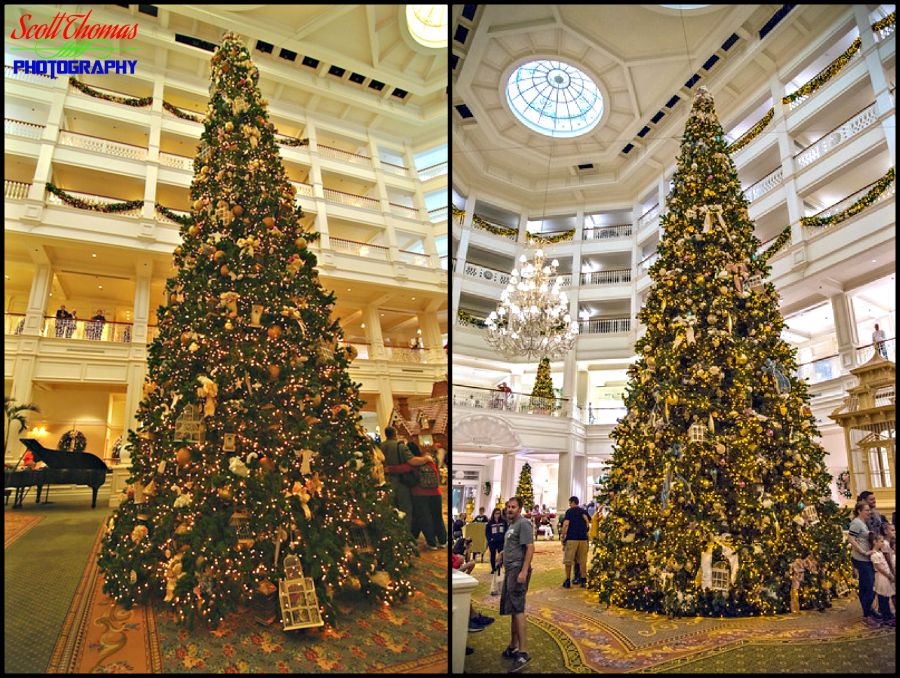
x: 373, y: 35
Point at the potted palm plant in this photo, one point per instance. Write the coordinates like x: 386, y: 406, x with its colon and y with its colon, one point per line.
x: 15, y: 414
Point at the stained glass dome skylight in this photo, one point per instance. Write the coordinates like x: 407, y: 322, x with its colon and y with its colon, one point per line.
x: 554, y: 98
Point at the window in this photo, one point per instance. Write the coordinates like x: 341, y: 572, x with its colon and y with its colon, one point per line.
x: 554, y: 98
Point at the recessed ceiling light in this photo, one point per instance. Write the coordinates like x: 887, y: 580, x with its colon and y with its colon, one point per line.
x: 99, y: 287
x: 348, y: 289
x: 874, y: 260
x: 413, y: 298
x: 93, y: 254
x: 363, y: 326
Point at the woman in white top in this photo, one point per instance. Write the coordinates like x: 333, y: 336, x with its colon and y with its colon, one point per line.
x: 884, y: 577
x: 860, y: 550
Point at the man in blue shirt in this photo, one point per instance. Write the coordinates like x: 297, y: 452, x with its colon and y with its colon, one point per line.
x: 574, y: 535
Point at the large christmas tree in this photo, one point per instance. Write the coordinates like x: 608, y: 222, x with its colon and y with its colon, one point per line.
x: 718, y: 493
x: 250, y: 446
x: 525, y: 490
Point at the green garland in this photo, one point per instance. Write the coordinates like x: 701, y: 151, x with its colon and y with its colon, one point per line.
x: 490, y: 228
x: 884, y: 23
x: 861, y: 204
x: 456, y: 212
x: 827, y: 74
x: 471, y: 320
x: 177, y: 218
x: 751, y: 133
x: 128, y: 101
x: 178, y: 113
x: 549, y: 240
x: 292, y: 142
x: 72, y: 201
x: 783, y: 238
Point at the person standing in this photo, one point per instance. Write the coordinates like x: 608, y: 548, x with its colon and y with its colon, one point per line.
x: 884, y: 578
x: 95, y: 327
x: 458, y: 526
x: 495, y: 529
x: 398, y: 463
x: 878, y: 341
x: 574, y: 535
x: 62, y: 320
x: 860, y: 554
x: 590, y: 413
x: 518, y: 550
x: 876, y: 523
x: 426, y: 500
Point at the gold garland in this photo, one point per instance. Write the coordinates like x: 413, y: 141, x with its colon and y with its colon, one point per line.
x: 861, y: 204
x: 827, y: 74
x: 490, y: 228
x: 782, y: 239
x: 884, y: 23
x: 106, y: 208
x: 751, y: 133
x: 469, y: 319
x: 559, y: 237
x: 456, y: 212
x: 137, y: 102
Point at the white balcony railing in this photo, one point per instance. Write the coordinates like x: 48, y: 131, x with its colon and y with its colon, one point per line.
x: 616, y: 277
x: 16, y: 190
x: 432, y: 171
x: 604, y: 326
x: 391, y: 168
x: 88, y: 330
x: 53, y: 199
x: 607, y: 232
x: 764, y: 185
x: 812, y: 231
x: 303, y: 190
x: 413, y: 258
x: 849, y: 129
x: 404, y: 211
x: 27, y: 77
x: 648, y: 217
x: 515, y: 403
x: 104, y: 146
x: 565, y: 280
x: 437, y: 214
x: 803, y: 99
x: 359, y: 249
x: 351, y: 200
x: 490, y: 275
x: 21, y: 128
x: 512, y: 236
x: 418, y: 356
x: 820, y: 370
x: 887, y: 349
x: 644, y: 266
x: 346, y: 156
x: 176, y: 161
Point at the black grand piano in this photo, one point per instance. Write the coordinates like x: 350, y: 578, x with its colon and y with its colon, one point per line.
x: 63, y: 468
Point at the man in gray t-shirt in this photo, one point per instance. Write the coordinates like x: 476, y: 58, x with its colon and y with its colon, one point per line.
x: 518, y: 550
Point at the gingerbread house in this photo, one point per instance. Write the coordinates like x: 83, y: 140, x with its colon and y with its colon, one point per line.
x: 423, y: 420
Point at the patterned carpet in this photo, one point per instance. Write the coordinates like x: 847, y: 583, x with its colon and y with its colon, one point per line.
x: 588, y: 638
x: 16, y: 524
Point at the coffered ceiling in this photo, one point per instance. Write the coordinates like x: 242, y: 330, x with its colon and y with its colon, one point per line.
x: 640, y: 56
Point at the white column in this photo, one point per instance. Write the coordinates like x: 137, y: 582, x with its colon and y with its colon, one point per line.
x: 22, y: 382
x: 579, y: 224
x: 49, y: 138
x: 523, y: 228
x: 845, y: 328
x: 315, y: 171
x: 390, y: 234
x: 582, y: 388
x: 579, y: 479
x: 431, y: 330
x: 462, y: 253
x: 661, y: 195
x: 883, y: 103
x: 373, y: 333
x: 569, y: 376
x: 37, y: 299
x: 509, y: 478
x: 564, y: 478
x: 384, y: 406
x: 137, y: 371
x: 141, y: 311
x: 786, y: 157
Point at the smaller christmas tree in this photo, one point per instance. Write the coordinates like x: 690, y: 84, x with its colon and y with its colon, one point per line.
x: 525, y: 490
x: 542, y: 393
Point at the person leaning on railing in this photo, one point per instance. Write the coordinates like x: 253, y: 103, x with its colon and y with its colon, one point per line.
x: 94, y: 329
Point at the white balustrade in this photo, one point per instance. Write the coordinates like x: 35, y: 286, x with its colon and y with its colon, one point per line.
x: 16, y: 190
x: 346, y: 156
x: 645, y: 264
x: 437, y: 214
x: 648, y: 217
x: 14, y: 323
x: 391, y: 168
x: 820, y: 370
x: 607, y: 232
x: 764, y: 185
x: 404, y: 211
x: 413, y: 258
x: 433, y: 171
x: 887, y: 349
x: 399, y: 354
x: 21, y: 128
x: 359, y: 249
x: 490, y: 275
x: 88, y: 330
x: 604, y: 326
x: 176, y: 161
x: 351, y: 200
x: 616, y: 277
x: 304, y: 190
x: 10, y: 72
x: 514, y: 403
x: 565, y: 280
x: 53, y: 199
x: 838, y: 136
x: 104, y: 146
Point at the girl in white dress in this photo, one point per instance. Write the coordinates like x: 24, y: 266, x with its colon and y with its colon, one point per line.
x: 884, y: 576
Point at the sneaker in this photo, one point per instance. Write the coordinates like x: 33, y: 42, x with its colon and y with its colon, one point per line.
x: 578, y: 581
x: 871, y: 621
x: 519, y: 662
x: 510, y: 653
x: 482, y: 620
x: 474, y: 627
x: 567, y: 584
x: 435, y: 547
x: 469, y: 651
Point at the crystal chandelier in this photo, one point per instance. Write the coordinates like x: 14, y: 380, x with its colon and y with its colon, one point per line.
x: 532, y: 320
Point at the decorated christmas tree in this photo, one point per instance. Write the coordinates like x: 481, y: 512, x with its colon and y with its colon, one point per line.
x: 250, y: 447
x: 525, y: 490
x: 718, y: 493
x: 542, y: 394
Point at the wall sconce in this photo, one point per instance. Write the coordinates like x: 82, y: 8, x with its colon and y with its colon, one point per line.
x: 36, y: 432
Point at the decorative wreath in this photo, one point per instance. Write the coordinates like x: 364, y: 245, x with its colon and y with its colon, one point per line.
x: 487, y: 487
x: 72, y: 441
x: 843, y: 484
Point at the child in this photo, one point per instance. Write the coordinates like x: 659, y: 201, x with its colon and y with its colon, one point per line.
x: 884, y: 577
